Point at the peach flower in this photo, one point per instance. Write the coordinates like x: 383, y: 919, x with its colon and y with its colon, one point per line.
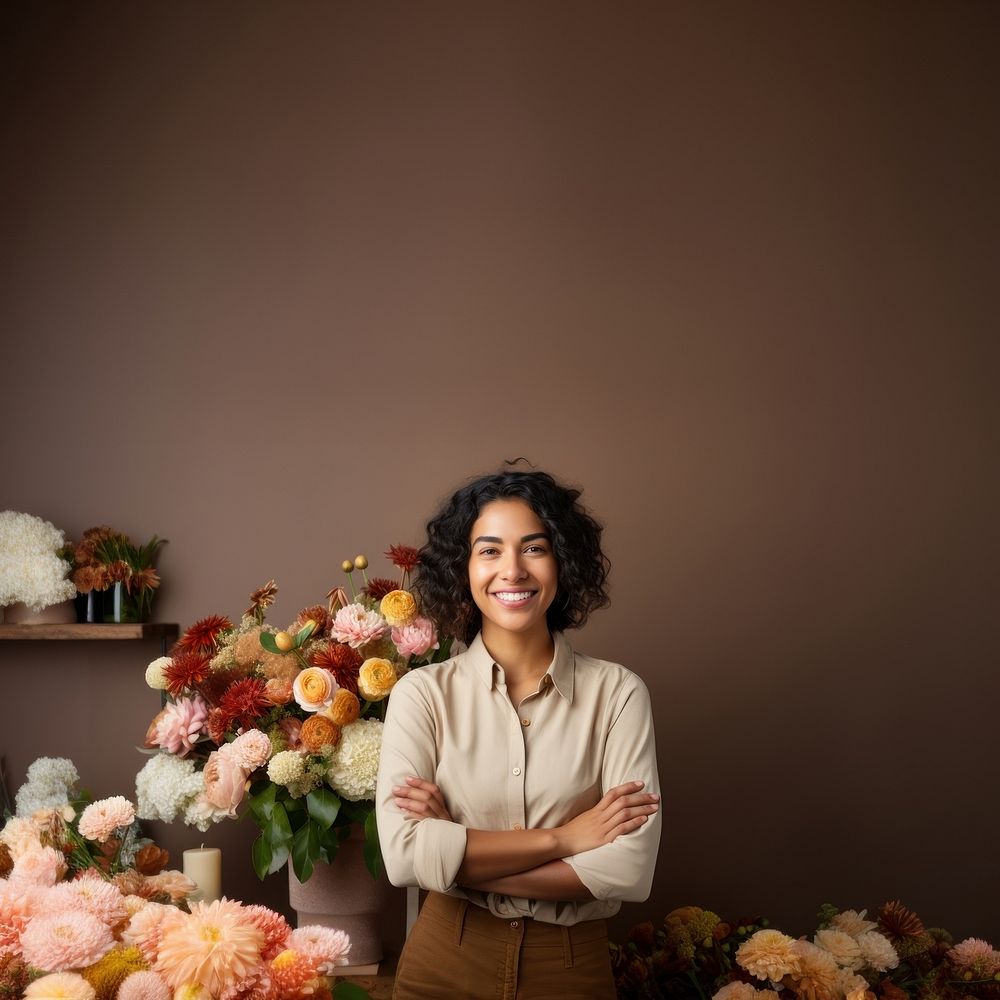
x: 398, y: 607
x: 100, y: 819
x: 376, y: 678
x: 225, y: 780
x: 314, y: 688
x: 416, y: 638
x: 344, y: 709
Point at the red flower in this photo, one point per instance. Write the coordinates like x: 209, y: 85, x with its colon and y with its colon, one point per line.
x: 245, y: 701
x: 379, y: 586
x: 342, y: 661
x: 203, y: 635
x: 404, y: 556
x: 186, y: 671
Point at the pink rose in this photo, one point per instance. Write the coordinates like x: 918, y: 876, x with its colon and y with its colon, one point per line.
x: 291, y: 729
x: 225, y: 781
x: 416, y: 638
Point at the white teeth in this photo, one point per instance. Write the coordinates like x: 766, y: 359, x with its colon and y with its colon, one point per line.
x: 512, y: 598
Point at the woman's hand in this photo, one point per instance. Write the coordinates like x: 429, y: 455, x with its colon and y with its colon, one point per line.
x: 419, y: 799
x: 623, y: 809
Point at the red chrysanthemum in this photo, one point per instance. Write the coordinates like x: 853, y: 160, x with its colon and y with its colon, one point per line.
x: 406, y: 557
x: 203, y: 635
x: 186, y: 671
x: 218, y: 681
x: 342, y: 661
x: 245, y: 701
x: 218, y: 722
x: 315, y: 613
x: 379, y: 586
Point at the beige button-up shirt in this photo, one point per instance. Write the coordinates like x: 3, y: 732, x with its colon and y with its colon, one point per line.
x: 587, y: 728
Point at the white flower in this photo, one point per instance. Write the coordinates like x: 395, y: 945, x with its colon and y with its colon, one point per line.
x: 355, y: 763
x: 878, y: 952
x: 155, y: 676
x: 843, y: 947
x: 852, y: 922
x: 743, y: 991
x: 200, y: 813
x: 30, y: 570
x: 50, y: 780
x: 21, y: 837
x: 286, y: 768
x: 852, y: 986
x: 166, y: 786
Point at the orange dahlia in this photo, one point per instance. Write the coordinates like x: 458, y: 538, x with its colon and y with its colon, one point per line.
x: 245, y: 700
x: 342, y: 661
x: 203, y: 636
x: 293, y: 974
x: 186, y: 671
x: 404, y: 556
x: 378, y: 587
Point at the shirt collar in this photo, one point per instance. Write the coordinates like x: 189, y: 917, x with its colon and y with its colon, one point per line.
x: 560, y: 672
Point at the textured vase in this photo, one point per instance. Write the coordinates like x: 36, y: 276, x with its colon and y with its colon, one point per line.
x: 55, y: 614
x: 345, y: 896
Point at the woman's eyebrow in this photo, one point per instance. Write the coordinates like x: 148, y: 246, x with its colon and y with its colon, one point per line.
x: 499, y: 541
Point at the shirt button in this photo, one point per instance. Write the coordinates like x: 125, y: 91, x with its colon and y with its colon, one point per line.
x: 513, y: 923
x: 526, y: 722
x: 517, y: 826
x: 516, y: 771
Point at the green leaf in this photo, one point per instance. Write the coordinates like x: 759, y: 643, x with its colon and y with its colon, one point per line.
x: 279, y: 859
x: 267, y: 641
x: 305, y: 851
x: 372, y: 851
x: 262, y: 856
x: 303, y: 633
x: 349, y: 991
x: 323, y: 807
x: 262, y: 804
x: 279, y: 830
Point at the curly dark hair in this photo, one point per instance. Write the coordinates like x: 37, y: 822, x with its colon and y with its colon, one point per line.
x: 443, y: 574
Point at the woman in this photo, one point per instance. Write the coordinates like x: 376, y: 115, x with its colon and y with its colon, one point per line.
x: 518, y: 779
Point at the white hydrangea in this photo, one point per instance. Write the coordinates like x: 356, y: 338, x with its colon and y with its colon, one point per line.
x: 878, y: 951
x: 50, y: 781
x: 166, y: 786
x: 354, y: 766
x: 30, y: 570
x: 155, y: 676
x: 202, y: 814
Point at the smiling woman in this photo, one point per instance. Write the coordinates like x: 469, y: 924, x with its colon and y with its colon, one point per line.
x: 517, y: 780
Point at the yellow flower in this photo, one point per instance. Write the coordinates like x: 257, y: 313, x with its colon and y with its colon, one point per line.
x: 319, y: 731
x: 314, y: 687
x: 398, y: 607
x: 344, y: 709
x: 376, y: 678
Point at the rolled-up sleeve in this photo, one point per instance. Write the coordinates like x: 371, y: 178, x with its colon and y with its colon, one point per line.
x: 427, y: 852
x: 623, y: 870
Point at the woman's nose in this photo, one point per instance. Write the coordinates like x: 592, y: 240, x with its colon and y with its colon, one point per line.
x: 512, y: 568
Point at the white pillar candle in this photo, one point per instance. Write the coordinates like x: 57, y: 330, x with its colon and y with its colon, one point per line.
x: 203, y: 865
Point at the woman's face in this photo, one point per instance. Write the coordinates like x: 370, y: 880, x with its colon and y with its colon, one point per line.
x: 512, y: 570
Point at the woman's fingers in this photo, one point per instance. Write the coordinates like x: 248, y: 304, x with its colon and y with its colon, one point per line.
x: 420, y: 798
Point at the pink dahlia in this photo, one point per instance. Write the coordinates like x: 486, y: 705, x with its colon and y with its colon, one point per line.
x: 180, y: 725
x: 356, y: 625
x: 18, y: 904
x: 92, y: 894
x: 251, y: 749
x: 214, y: 945
x: 976, y: 955
x: 100, y: 819
x: 326, y: 946
x: 66, y: 940
x: 145, y: 929
x: 416, y: 638
x: 42, y: 867
x: 144, y: 986
x: 274, y: 927
x: 292, y: 973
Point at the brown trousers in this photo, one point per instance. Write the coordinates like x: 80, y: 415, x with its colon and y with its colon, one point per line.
x: 457, y: 949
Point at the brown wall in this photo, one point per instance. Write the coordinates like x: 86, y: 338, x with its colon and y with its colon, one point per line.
x: 277, y: 276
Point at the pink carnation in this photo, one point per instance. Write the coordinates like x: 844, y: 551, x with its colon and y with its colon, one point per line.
x: 100, y: 819
x: 43, y: 867
x: 275, y: 927
x: 65, y: 940
x: 326, y: 946
x: 356, y: 625
x: 180, y: 725
x: 976, y: 955
x: 251, y: 749
x: 416, y: 638
x: 144, y: 986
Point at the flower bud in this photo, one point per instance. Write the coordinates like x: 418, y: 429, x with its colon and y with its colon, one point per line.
x: 347, y: 566
x: 283, y: 641
x: 360, y: 562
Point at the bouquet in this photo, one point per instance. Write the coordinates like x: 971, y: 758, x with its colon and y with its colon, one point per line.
x: 87, y: 913
x: 289, y: 720
x: 33, y: 567
x: 696, y: 955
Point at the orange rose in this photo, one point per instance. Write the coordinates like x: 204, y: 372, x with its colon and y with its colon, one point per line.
x: 376, y: 678
x: 319, y: 731
x: 344, y: 709
x: 398, y: 607
x: 314, y: 688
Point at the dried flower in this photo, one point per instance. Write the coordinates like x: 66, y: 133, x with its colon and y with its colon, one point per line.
x: 151, y: 859
x: 260, y: 600
x: 315, y: 613
x: 899, y: 922
x: 202, y: 638
x: 378, y: 586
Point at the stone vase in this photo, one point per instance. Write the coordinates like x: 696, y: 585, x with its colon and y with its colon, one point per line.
x: 345, y: 896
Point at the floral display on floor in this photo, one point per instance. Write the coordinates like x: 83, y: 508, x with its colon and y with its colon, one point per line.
x: 88, y: 911
x: 33, y: 566
x: 289, y: 720
x: 695, y: 955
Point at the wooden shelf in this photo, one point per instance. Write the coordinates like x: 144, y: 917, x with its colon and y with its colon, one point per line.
x: 145, y: 630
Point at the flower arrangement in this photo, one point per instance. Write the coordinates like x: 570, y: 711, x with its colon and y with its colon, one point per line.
x: 292, y: 716
x: 695, y: 954
x: 104, y: 557
x: 126, y: 931
x: 33, y: 570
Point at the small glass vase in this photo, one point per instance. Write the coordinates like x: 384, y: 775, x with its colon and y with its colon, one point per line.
x: 121, y: 607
